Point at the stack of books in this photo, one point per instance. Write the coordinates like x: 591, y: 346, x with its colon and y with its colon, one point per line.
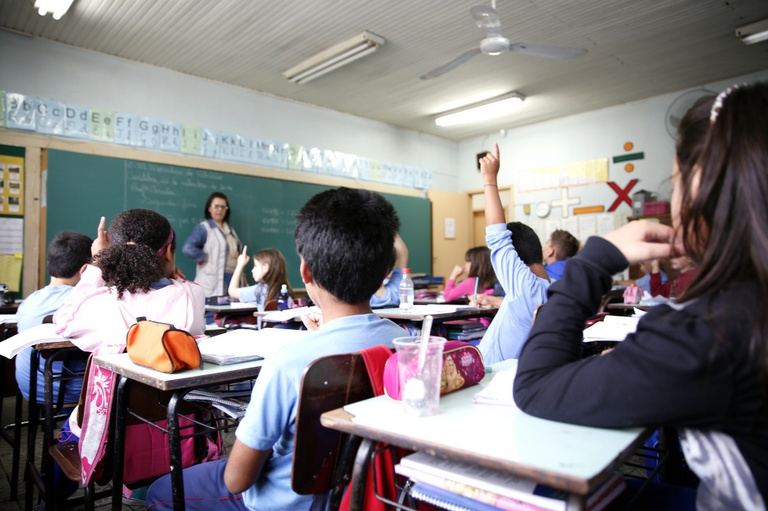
x: 460, y: 486
x: 464, y: 329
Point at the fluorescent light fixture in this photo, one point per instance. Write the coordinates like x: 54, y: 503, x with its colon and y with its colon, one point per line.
x: 489, y: 109
x: 334, y: 57
x: 56, y: 7
x: 753, y: 33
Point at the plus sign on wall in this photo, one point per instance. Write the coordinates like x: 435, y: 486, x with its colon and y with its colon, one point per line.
x: 565, y: 201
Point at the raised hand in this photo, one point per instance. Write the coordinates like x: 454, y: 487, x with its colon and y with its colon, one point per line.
x: 242, y: 259
x: 642, y: 241
x: 102, y: 238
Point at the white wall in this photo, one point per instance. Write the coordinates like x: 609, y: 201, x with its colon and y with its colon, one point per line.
x: 593, y: 135
x: 50, y: 70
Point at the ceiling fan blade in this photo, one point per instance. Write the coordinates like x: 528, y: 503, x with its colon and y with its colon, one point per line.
x: 452, y: 64
x: 550, y: 52
x: 487, y: 19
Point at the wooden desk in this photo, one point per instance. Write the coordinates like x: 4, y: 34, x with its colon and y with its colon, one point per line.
x: 572, y: 458
x: 180, y: 383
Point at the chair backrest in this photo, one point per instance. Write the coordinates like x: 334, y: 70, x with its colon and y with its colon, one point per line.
x: 328, y: 383
x: 270, y: 305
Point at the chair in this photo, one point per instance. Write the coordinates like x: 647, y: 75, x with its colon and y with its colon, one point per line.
x: 322, y: 458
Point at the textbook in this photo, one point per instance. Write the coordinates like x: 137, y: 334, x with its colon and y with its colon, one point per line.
x: 511, y: 487
x: 244, y: 345
x: 455, y: 489
x: 446, y: 499
x: 40, y: 334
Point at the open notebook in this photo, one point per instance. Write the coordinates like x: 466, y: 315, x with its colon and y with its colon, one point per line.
x: 40, y: 334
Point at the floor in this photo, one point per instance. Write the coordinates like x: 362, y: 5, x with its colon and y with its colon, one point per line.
x: 6, y: 461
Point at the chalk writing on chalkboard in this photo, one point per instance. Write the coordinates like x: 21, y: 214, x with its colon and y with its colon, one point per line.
x: 262, y: 210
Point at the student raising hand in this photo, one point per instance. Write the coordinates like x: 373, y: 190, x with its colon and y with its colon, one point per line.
x: 102, y: 238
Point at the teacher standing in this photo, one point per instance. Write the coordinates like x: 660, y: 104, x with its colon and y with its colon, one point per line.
x: 214, y: 246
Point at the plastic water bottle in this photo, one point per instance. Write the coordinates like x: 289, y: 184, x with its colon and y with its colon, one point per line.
x: 283, y: 301
x: 406, y: 291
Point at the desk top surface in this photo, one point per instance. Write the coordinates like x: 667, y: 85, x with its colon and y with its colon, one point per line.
x: 564, y: 456
x: 210, y: 374
x: 233, y: 307
x: 438, y: 312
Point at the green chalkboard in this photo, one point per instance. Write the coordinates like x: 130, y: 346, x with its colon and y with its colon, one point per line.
x: 82, y: 187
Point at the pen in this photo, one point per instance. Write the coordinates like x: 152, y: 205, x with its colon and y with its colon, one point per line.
x: 474, y: 295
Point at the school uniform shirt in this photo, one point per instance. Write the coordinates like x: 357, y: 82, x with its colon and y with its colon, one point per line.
x: 93, y: 316
x: 465, y: 288
x: 391, y: 297
x: 687, y: 365
x: 270, y: 420
x: 31, y: 313
x: 255, y: 294
x: 555, y: 270
x: 524, y: 290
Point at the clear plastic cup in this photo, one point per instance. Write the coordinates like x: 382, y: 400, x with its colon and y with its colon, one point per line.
x: 420, y: 390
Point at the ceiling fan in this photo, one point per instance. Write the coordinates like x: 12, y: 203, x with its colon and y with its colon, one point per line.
x: 494, y: 43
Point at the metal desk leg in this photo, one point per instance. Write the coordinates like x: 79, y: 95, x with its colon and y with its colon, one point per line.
x: 48, y: 427
x: 359, y: 474
x: 121, y: 405
x: 174, y: 440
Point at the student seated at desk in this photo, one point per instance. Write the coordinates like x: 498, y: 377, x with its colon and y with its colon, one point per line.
x: 343, y: 262
x: 269, y: 272
x: 388, y: 294
x: 700, y: 365
x: 683, y: 274
x: 133, y: 274
x: 68, y: 256
x: 561, y: 246
x: 480, y: 276
x: 517, y: 260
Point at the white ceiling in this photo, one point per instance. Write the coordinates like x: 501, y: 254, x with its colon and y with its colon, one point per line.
x: 637, y: 49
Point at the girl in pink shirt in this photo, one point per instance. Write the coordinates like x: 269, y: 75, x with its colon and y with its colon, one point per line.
x: 477, y: 267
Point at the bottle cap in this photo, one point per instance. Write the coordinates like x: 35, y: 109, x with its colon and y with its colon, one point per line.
x: 406, y: 270
x: 284, y: 288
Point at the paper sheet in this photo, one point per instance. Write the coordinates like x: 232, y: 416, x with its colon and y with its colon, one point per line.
x: 10, y: 271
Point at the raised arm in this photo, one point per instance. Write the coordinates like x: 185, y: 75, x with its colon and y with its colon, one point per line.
x: 401, y: 253
x: 489, y: 170
x: 234, y: 283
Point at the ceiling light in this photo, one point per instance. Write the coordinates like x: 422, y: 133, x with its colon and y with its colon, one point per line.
x: 334, y: 57
x: 56, y: 7
x: 489, y: 109
x: 753, y: 33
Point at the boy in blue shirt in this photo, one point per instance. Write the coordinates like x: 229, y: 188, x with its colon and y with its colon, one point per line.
x: 388, y: 295
x: 560, y: 247
x: 344, y: 238
x: 517, y: 260
x: 68, y: 255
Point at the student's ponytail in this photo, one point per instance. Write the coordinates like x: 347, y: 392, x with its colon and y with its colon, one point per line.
x: 131, y: 267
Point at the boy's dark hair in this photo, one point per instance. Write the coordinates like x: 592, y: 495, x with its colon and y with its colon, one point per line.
x: 216, y: 195
x: 346, y: 238
x: 526, y: 243
x: 565, y: 244
x: 67, y: 253
x: 131, y: 262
